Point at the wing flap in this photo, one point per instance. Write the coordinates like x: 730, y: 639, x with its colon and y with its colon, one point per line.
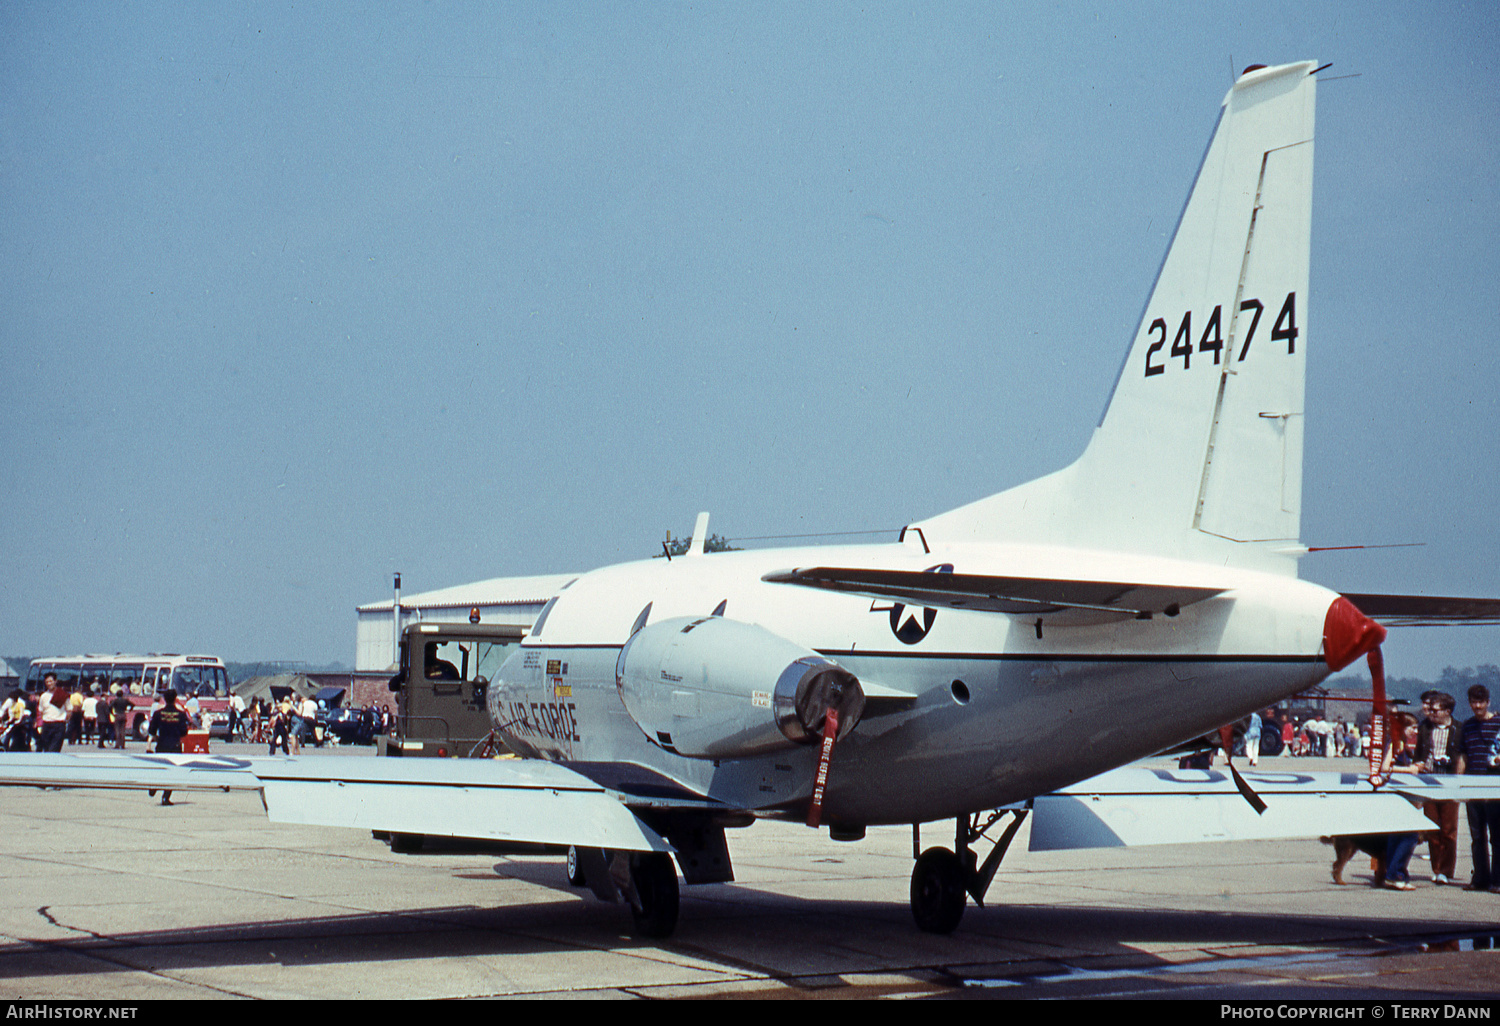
x: 994, y: 594
x: 538, y: 815
x: 494, y: 799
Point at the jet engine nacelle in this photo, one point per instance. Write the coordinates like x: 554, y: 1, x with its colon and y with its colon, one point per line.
x: 713, y: 688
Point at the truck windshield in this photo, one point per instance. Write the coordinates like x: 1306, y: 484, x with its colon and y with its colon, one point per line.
x: 464, y: 660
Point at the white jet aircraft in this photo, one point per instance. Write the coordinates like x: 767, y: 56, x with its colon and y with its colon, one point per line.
x: 984, y: 664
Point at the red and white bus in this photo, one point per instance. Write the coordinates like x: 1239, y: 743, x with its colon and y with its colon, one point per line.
x: 140, y: 678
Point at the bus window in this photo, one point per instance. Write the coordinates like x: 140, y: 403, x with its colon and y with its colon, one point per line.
x: 204, y: 677
x: 126, y: 675
x: 191, y: 681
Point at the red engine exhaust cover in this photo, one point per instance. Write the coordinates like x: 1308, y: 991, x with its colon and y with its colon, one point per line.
x: 1348, y: 634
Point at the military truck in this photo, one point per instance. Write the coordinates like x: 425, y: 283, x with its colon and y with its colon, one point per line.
x: 444, y: 673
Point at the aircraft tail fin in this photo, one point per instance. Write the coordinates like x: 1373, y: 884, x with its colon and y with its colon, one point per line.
x: 1199, y: 452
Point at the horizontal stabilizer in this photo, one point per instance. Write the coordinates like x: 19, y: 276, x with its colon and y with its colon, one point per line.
x: 1427, y: 610
x: 1016, y: 595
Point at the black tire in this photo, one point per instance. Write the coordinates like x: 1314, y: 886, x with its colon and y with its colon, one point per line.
x: 937, y: 891
x: 406, y: 844
x: 655, y: 880
x: 575, y: 871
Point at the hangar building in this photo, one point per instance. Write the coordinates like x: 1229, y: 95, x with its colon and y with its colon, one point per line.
x: 502, y: 600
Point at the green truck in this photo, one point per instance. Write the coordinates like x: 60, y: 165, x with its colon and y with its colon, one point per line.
x: 444, y: 673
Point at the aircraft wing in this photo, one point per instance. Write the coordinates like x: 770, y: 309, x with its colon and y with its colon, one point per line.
x: 997, y: 594
x: 128, y: 771
x: 541, y: 802
x: 495, y: 799
x: 1427, y: 610
x: 1138, y: 806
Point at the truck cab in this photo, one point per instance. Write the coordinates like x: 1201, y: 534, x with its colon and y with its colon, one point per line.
x: 444, y: 674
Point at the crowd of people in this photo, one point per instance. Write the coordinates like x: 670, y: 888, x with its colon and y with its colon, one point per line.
x: 292, y: 722
x: 1311, y: 736
x: 1437, y: 745
x: 47, y: 719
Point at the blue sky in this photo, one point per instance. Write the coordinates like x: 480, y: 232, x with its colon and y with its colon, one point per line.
x: 299, y: 295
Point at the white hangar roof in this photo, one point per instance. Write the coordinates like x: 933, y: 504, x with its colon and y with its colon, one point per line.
x: 515, y: 601
x: 497, y: 591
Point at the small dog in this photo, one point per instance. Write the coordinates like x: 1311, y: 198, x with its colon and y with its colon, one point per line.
x: 1344, y: 848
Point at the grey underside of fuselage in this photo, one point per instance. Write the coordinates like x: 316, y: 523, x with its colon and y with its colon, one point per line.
x: 1015, y: 728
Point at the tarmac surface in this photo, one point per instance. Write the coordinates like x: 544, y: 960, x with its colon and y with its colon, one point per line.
x: 109, y: 896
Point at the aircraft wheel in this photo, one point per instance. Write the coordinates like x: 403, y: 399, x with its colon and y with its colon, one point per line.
x: 406, y: 844
x: 655, y: 880
x: 575, y: 871
x: 937, y: 891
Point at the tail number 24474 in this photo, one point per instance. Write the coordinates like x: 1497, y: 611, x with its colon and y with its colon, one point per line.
x: 1212, y: 340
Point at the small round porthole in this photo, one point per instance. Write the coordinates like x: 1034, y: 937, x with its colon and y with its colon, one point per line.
x: 960, y: 692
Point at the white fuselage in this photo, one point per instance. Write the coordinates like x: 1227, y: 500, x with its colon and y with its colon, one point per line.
x: 996, y: 713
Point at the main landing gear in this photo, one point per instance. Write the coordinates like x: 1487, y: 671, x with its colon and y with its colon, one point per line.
x: 943, y: 880
x: 645, y: 880
x: 653, y: 901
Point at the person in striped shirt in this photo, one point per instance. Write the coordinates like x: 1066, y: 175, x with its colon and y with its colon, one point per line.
x: 1477, y: 739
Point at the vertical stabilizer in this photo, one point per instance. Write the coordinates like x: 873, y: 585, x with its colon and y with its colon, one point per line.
x: 1199, y: 452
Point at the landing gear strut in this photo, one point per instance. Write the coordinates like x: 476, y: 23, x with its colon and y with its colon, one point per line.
x: 942, y: 880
